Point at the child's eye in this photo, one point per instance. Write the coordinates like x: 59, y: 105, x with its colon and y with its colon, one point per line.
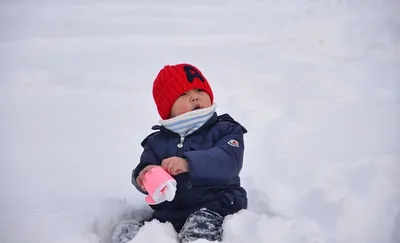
x: 200, y: 90
x: 183, y: 94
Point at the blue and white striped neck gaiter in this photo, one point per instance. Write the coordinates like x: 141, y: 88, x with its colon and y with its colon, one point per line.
x: 189, y: 122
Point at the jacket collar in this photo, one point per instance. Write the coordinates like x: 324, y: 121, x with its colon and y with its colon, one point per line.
x: 211, y: 121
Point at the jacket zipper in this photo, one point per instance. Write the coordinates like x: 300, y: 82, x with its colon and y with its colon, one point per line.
x: 180, y: 145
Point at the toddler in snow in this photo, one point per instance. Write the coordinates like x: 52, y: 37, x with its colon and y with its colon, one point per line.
x: 203, y: 152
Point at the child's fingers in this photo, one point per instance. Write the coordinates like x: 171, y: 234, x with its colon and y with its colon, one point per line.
x: 143, y: 188
x: 141, y: 176
x: 172, y: 165
x: 167, y: 164
x: 139, y: 181
x: 172, y: 170
x: 146, y: 169
x: 177, y: 169
x: 176, y: 172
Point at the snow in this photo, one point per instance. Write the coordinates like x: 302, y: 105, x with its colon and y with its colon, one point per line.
x: 316, y: 83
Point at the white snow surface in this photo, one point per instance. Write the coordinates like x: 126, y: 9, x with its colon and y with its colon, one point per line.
x: 316, y: 83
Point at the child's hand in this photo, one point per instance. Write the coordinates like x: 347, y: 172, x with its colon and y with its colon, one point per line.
x: 175, y: 165
x: 140, y: 179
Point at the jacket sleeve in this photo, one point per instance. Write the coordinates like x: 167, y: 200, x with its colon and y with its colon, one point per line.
x: 148, y: 157
x: 221, y: 162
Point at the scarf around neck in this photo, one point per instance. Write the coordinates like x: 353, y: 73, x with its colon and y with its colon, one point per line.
x: 189, y: 122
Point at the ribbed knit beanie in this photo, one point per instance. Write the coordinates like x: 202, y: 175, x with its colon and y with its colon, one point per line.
x: 172, y: 81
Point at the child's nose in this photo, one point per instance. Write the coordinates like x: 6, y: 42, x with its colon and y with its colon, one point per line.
x: 194, y: 97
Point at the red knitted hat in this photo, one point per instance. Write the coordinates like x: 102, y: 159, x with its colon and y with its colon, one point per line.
x: 172, y: 81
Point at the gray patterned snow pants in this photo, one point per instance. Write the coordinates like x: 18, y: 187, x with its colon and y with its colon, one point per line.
x: 202, y: 224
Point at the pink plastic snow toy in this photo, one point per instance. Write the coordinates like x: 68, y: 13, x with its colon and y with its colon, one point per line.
x: 160, y: 185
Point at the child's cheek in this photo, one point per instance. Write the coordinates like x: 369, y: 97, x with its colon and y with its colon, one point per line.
x: 183, y: 108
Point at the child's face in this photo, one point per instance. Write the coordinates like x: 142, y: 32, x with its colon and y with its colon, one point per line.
x: 191, y: 100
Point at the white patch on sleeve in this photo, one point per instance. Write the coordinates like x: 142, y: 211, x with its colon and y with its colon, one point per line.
x: 233, y: 143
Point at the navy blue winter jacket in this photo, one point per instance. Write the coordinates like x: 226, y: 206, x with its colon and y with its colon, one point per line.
x: 215, y: 156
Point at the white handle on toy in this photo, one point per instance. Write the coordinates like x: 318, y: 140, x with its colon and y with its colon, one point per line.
x: 170, y: 191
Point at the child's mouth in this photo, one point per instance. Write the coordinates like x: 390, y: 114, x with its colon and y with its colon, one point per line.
x: 196, y: 107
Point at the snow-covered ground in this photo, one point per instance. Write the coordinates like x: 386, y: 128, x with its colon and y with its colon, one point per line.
x: 316, y: 83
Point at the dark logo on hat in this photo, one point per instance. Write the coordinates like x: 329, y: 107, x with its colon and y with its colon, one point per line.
x: 192, y: 73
